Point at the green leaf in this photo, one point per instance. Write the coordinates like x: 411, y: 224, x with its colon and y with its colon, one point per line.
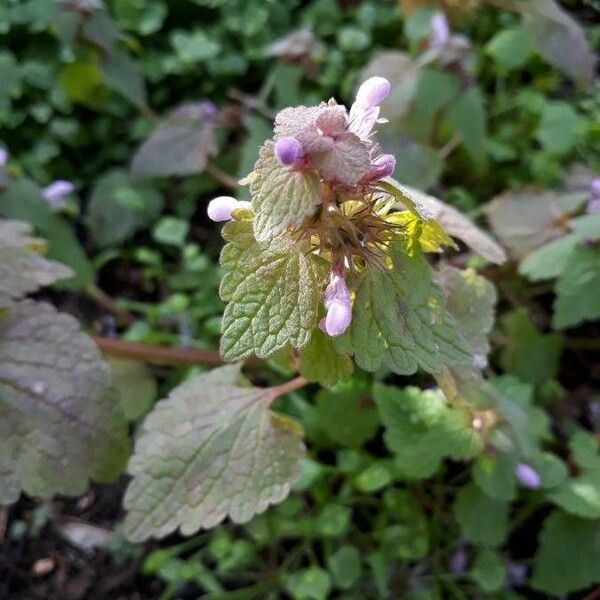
x: 281, y: 195
x: 510, y: 48
x: 345, y: 566
x: 123, y: 75
x: 10, y: 75
x: 321, y: 363
x: 559, y: 39
x: 457, y: 225
x: 171, y: 231
x: 482, y: 520
x: 273, y: 294
x: 495, y: 475
x: 181, y: 144
x: 578, y: 289
x: 527, y: 219
x: 400, y: 322
x: 117, y: 208
x: 559, y: 128
x: 406, y: 536
x: 22, y: 269
x: 374, y: 478
x: 23, y: 201
x: 61, y: 422
x: 580, y: 495
x: 82, y: 83
x: 550, y: 260
x: 333, y: 521
x: 212, y: 449
x: 137, y: 387
x: 489, y: 571
x: 422, y: 429
x: 467, y: 117
x: 309, y: 584
x: 586, y: 227
x: 347, y: 413
x: 470, y: 299
x: 527, y: 354
x: 568, y: 558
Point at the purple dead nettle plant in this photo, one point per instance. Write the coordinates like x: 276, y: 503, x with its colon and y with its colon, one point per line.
x: 336, y: 146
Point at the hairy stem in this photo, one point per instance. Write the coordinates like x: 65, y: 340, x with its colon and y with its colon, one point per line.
x: 287, y: 387
x: 157, y: 354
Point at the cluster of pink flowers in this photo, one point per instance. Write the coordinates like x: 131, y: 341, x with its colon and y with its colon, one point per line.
x: 338, y: 145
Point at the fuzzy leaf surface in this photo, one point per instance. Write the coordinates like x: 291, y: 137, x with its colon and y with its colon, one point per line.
x: 400, y: 321
x: 212, y: 449
x: 273, y: 293
x: 281, y: 195
x: 60, y: 420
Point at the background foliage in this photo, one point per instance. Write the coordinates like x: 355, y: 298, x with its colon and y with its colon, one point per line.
x: 389, y: 503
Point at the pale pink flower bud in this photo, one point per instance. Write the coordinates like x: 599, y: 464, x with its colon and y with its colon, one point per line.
x: 440, y: 31
x: 3, y: 157
x: 372, y: 92
x: 595, y: 187
x: 528, y: 477
x: 338, y: 302
x: 288, y: 150
x: 383, y: 166
x: 220, y: 208
x: 55, y: 193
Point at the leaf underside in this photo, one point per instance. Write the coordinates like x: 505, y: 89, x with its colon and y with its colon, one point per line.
x: 60, y: 420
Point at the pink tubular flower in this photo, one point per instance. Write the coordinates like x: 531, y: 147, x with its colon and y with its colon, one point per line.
x: 372, y: 92
x: 54, y: 194
x: 220, y: 208
x: 383, y: 166
x: 338, y: 303
x: 288, y: 150
x: 440, y: 31
x: 364, y: 113
x: 528, y: 477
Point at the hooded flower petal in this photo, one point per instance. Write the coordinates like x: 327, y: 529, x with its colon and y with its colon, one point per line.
x: 528, y: 477
x: 338, y: 302
x: 55, y: 193
x: 219, y: 209
x: 288, y: 150
x: 372, y: 92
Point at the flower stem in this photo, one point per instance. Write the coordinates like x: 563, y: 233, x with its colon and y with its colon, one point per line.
x: 225, y: 179
x: 287, y: 387
x: 103, y: 300
x: 157, y: 354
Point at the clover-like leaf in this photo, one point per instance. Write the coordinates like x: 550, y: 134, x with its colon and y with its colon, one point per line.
x: 22, y: 269
x: 482, y: 519
x: 212, y: 449
x: 180, y: 145
x: 578, y: 289
x: 422, y: 429
x: 273, y: 293
x: 400, y: 321
x: 527, y: 219
x: 281, y: 195
x: 568, y: 558
x: 60, y: 420
x: 470, y: 299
